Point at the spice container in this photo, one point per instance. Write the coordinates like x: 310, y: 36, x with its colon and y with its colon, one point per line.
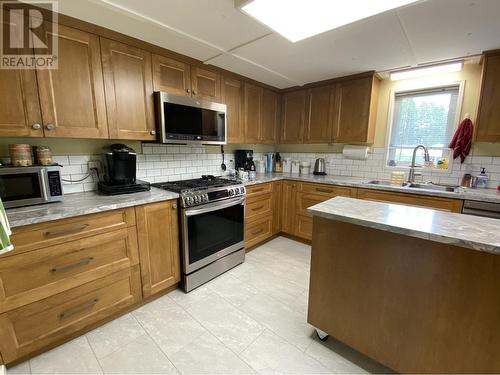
x: 43, y: 155
x: 20, y: 155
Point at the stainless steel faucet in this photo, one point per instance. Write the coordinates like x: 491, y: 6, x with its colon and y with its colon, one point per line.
x: 411, y: 175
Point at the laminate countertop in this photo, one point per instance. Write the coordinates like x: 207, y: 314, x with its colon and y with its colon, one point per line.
x: 477, y: 233
x: 483, y: 195
x: 77, y: 204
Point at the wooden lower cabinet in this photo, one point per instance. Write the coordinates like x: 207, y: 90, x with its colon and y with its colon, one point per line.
x: 66, y: 276
x: 436, y: 203
x: 262, y: 212
x: 52, y: 320
x: 157, y: 230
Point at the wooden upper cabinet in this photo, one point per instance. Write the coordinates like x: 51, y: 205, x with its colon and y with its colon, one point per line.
x: 171, y: 76
x: 129, y: 91
x: 318, y: 123
x: 72, y: 96
x: 293, y: 113
x: 205, y: 84
x: 253, y: 112
x: 270, y: 124
x: 488, y: 119
x: 20, y: 114
x: 232, y: 97
x: 355, y: 110
x: 158, y: 239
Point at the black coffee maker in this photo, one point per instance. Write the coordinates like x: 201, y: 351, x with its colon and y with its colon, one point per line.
x: 244, y: 159
x: 119, y: 171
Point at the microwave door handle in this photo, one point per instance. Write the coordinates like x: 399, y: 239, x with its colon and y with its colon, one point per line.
x: 214, y: 207
x: 44, y: 183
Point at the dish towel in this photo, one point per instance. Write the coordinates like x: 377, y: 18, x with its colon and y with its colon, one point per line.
x: 5, y: 232
x: 462, y: 140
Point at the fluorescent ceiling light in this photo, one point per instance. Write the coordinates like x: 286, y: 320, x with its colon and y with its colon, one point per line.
x: 427, y: 70
x: 301, y: 19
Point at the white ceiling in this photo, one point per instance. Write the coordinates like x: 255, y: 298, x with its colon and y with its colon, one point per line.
x: 215, y: 32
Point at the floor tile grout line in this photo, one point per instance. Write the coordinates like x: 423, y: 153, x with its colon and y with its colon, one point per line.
x: 93, y: 352
x: 157, y: 345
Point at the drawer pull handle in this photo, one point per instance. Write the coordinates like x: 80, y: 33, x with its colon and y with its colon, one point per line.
x: 324, y: 190
x: 78, y: 309
x: 257, y: 231
x: 258, y: 208
x: 62, y: 232
x: 257, y: 190
x: 68, y: 267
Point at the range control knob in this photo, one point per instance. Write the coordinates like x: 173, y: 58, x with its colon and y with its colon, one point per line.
x: 231, y: 192
x: 196, y: 199
x: 188, y: 201
x: 205, y: 198
x: 242, y: 190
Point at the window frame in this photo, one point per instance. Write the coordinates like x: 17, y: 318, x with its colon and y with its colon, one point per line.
x: 390, y: 119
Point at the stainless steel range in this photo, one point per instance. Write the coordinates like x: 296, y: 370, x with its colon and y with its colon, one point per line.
x: 212, y: 223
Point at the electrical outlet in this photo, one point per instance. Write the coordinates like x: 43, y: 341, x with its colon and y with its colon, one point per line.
x: 94, y: 164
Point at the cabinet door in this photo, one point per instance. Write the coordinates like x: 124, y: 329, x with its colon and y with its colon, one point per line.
x: 318, y: 127
x: 158, y: 237
x: 205, y: 84
x: 488, y: 120
x: 19, y: 105
x: 171, y: 76
x: 232, y: 97
x: 289, y: 193
x: 72, y: 96
x: 294, y: 104
x: 129, y: 91
x: 253, y: 113
x: 270, y: 116
x: 277, y: 203
x: 354, y: 114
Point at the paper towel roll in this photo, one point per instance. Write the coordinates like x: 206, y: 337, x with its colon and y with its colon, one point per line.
x: 355, y: 152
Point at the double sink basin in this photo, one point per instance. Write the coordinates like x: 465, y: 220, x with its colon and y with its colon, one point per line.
x: 418, y: 186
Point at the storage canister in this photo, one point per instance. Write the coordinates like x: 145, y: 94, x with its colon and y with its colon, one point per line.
x: 20, y: 155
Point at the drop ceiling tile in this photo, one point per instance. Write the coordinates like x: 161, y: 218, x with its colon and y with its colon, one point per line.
x: 215, y: 21
x: 247, y: 69
x: 101, y: 14
x: 446, y: 29
x: 377, y: 43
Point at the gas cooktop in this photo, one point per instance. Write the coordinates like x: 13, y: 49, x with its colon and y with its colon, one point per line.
x: 203, y: 190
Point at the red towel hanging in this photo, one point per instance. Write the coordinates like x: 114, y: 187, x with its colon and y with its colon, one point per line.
x: 462, y: 139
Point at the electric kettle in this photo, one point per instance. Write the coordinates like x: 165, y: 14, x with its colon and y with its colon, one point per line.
x: 319, y: 167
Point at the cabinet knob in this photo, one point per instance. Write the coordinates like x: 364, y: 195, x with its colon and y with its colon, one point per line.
x: 174, y: 206
x: 194, y: 92
x: 188, y: 91
x: 50, y: 126
x: 36, y: 126
x: 152, y: 132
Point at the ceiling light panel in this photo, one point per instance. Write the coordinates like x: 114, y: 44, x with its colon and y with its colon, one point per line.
x: 427, y: 70
x: 300, y: 19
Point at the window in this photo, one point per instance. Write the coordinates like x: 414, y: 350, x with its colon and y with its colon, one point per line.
x: 427, y: 117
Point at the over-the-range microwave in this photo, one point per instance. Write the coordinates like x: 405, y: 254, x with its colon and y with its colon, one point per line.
x: 181, y: 119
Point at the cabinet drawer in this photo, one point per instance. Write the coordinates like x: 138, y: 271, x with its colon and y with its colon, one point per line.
x: 258, y: 206
x: 258, y: 231
x: 257, y: 189
x: 327, y: 190
x: 36, y: 236
x: 306, y: 200
x: 28, y: 277
x: 304, y: 227
x: 56, y: 318
x: 436, y: 203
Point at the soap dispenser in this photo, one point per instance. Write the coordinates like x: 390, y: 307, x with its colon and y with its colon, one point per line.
x: 482, y: 179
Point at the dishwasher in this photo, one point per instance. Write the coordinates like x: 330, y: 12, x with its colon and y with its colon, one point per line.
x: 485, y: 209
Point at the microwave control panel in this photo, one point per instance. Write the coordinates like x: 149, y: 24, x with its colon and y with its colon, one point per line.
x: 54, y: 183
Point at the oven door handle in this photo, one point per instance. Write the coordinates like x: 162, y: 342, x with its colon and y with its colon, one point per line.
x: 214, y: 206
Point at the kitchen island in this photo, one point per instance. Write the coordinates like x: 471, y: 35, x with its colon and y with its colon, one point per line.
x: 413, y: 288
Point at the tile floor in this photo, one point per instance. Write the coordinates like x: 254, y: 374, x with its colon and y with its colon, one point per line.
x: 250, y: 320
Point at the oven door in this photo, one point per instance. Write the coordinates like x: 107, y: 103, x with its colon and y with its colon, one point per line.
x: 212, y: 231
x: 23, y: 186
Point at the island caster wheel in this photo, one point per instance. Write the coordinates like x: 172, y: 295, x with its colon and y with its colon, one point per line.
x: 323, y: 336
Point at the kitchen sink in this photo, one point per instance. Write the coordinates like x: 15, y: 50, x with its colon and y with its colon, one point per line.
x: 416, y: 185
